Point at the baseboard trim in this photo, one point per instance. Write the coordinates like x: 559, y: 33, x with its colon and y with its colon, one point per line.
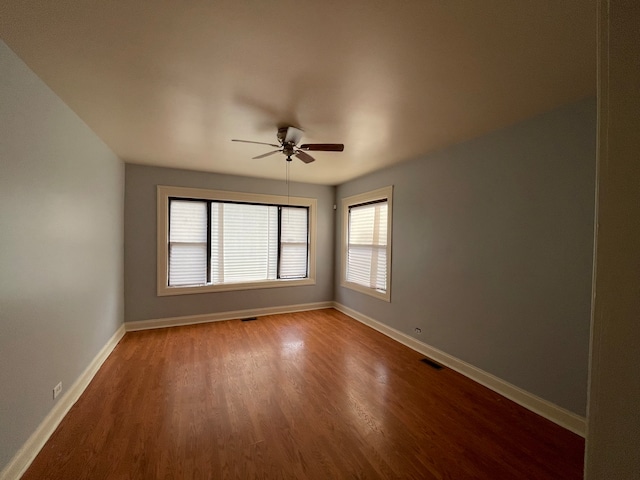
x: 564, y: 418
x: 23, y: 458
x: 223, y: 316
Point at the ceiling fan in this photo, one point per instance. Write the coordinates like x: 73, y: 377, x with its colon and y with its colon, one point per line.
x: 288, y: 138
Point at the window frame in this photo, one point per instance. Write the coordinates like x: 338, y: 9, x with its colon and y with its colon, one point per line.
x: 381, y: 194
x: 164, y: 193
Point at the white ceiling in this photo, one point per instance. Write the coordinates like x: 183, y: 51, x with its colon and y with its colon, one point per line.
x: 170, y: 83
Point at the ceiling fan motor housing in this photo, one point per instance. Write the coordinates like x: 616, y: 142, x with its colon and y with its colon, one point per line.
x: 288, y: 150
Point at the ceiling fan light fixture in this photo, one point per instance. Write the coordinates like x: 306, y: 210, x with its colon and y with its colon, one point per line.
x: 288, y: 138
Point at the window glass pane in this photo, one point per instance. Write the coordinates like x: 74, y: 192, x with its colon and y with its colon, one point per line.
x: 188, y: 221
x: 380, y: 280
x: 382, y: 226
x: 293, y: 261
x: 187, y: 264
x: 187, y: 243
x: 359, y: 265
x: 294, y: 235
x: 217, y: 243
x: 366, y: 249
x: 361, y: 225
x: 244, y: 240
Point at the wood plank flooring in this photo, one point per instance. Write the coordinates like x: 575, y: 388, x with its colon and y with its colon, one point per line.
x: 313, y: 395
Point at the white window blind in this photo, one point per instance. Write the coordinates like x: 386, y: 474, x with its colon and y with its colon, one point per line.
x: 247, y: 243
x: 188, y: 243
x: 293, y: 242
x: 367, y: 246
x: 244, y: 242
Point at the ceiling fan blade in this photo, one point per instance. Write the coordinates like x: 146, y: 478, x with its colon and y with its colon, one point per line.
x: 259, y: 143
x: 266, y: 154
x: 294, y: 135
x: 305, y: 157
x: 323, y: 147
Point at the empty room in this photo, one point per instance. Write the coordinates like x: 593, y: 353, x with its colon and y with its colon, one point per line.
x: 319, y: 240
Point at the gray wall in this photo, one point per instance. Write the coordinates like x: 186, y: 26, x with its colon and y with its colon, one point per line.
x: 142, y: 302
x: 61, y: 249
x: 492, y: 252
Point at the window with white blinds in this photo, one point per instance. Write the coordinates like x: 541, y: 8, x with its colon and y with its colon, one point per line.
x: 244, y: 242
x: 367, y: 247
x: 213, y: 243
x: 293, y: 242
x: 367, y: 244
x: 188, y: 243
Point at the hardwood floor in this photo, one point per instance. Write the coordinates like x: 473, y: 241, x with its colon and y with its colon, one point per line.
x: 313, y: 395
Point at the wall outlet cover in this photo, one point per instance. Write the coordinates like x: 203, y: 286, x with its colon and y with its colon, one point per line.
x: 57, y: 389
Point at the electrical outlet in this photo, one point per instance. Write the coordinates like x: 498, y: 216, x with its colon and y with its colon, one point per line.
x: 418, y: 330
x: 57, y: 389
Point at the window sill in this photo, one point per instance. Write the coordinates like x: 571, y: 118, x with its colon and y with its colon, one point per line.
x: 165, y: 291
x: 386, y: 296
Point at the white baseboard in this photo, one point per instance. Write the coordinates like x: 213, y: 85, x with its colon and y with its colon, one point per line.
x: 222, y: 316
x: 546, y: 409
x: 23, y: 458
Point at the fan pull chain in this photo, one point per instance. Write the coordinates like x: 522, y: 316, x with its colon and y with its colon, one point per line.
x: 287, y: 176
